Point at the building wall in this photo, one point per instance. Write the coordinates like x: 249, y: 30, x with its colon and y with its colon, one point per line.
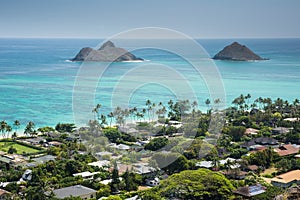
x: 88, y: 196
x: 285, y: 185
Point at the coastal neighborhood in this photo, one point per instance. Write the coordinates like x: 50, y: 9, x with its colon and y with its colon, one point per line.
x: 149, y: 100
x: 257, y: 153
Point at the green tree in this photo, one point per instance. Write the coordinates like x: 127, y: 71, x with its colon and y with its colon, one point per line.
x: 130, y: 182
x: 110, y: 116
x: 46, y: 129
x: 196, y: 184
x: 65, y: 127
x: 8, y: 130
x: 12, y: 150
x: 29, y: 129
x: 112, y: 134
x: 114, y: 185
x: 17, y: 125
x: 157, y: 143
x: 3, y: 126
x: 96, y: 111
x: 236, y: 132
x: 207, y: 102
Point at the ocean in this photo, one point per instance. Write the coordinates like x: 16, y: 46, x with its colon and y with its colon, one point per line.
x: 37, y: 79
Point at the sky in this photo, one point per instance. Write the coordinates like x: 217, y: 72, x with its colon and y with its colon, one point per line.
x: 195, y: 18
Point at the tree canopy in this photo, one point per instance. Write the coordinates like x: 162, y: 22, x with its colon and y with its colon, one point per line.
x: 196, y: 184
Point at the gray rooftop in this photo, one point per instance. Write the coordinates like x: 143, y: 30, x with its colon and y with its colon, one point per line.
x: 44, y: 159
x: 75, y: 191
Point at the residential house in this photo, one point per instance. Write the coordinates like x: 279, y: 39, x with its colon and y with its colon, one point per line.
x: 152, y: 182
x: 55, y: 144
x: 235, y: 174
x: 295, y: 119
x: 250, y: 191
x: 175, y: 124
x: 86, y: 175
x: 293, y: 192
x: 287, y: 149
x: 287, y: 179
x: 252, y: 168
x: 103, y: 155
x: 143, y: 169
x: 122, y: 147
x: 27, y: 176
x: 75, y: 191
x: 259, y: 143
x: 233, y: 165
x: 108, y: 181
x: 100, y: 163
x: 34, y: 141
x: 209, y: 164
x: 204, y: 164
x: 281, y: 130
x: 12, y: 160
x: 128, y: 130
x: 122, y: 168
x: 136, y: 148
x: 251, y: 131
x: 44, y: 159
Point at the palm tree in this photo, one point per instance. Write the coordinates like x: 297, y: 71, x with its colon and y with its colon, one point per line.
x: 126, y: 114
x: 17, y: 125
x: 149, y: 107
x: 14, y: 136
x: 8, y: 129
x: 103, y: 120
x: 207, y: 102
x: 139, y: 116
x: 29, y: 128
x: 296, y: 103
x: 248, y: 97
x: 217, y: 102
x: 96, y: 111
x: 3, y: 125
x: 153, y: 110
x: 144, y: 112
x: 111, y: 116
x: 215, y: 158
x: 227, y: 165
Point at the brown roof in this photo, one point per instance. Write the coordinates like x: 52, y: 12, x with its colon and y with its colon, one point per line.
x: 253, y: 167
x: 287, y: 149
x: 232, y: 172
x: 260, y: 148
x: 251, y: 131
x: 288, y: 177
x: 122, y: 168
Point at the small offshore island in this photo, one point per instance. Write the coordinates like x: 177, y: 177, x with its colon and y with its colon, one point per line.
x: 237, y: 52
x: 108, y: 52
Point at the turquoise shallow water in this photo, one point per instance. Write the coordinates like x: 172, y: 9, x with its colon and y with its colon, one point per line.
x: 36, y: 80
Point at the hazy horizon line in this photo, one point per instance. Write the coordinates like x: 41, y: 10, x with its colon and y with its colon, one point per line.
x: 103, y: 38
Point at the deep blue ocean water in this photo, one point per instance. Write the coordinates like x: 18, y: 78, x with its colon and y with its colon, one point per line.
x: 37, y: 80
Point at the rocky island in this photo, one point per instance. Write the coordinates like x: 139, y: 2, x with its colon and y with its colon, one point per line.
x: 237, y: 52
x: 108, y: 52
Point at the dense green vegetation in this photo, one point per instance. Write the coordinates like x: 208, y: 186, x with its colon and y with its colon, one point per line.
x: 197, y: 141
x: 195, y: 184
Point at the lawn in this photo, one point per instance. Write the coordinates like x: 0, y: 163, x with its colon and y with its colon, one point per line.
x: 4, y: 146
x: 269, y: 171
